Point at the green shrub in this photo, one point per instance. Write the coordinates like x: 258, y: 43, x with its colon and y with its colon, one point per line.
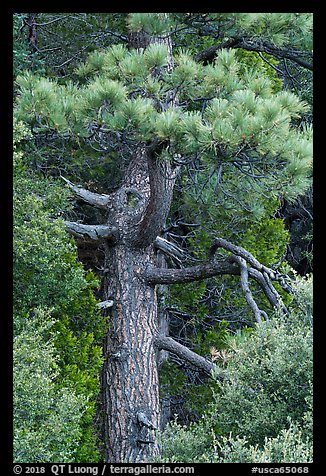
x: 262, y: 411
x: 46, y: 418
x: 47, y: 276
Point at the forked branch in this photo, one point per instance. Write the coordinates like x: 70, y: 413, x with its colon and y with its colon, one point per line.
x: 246, y: 290
x: 249, y: 258
x: 236, y: 264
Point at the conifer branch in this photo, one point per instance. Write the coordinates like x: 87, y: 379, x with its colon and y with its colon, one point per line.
x: 234, y: 265
x: 191, y: 273
x: 246, y: 290
x: 249, y: 258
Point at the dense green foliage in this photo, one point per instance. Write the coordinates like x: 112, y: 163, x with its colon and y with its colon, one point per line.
x: 47, y: 417
x: 243, y: 116
x: 57, y: 328
x: 262, y: 411
x: 240, y: 125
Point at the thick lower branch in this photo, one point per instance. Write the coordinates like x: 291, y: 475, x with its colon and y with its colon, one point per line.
x: 95, y: 199
x: 235, y: 265
x: 209, y: 53
x: 269, y: 48
x: 192, y: 273
x: 169, y: 344
x: 94, y: 232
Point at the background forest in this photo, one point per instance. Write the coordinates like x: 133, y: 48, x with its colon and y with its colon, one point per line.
x: 254, y: 190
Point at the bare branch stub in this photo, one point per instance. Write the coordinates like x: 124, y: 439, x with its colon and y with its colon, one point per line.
x: 94, y: 232
x: 95, y: 199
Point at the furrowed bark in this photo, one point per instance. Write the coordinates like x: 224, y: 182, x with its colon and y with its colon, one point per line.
x: 129, y: 376
x: 129, y: 381
x: 161, y: 180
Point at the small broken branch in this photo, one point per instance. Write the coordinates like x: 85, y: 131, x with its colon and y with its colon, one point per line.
x: 105, y: 304
x: 144, y: 421
x: 170, y: 249
x: 94, y: 232
x: 96, y: 199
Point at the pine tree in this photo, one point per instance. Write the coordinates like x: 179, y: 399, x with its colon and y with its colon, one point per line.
x: 155, y: 113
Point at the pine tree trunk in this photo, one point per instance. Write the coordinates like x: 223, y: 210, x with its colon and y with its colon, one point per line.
x: 130, y: 380
x: 130, y: 389
x: 130, y: 386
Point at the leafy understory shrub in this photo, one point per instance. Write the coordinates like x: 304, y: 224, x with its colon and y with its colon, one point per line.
x: 288, y: 447
x: 57, y: 364
x: 262, y: 411
x: 183, y: 445
x: 46, y: 417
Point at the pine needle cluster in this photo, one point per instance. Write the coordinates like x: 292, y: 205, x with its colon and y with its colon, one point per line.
x: 222, y: 112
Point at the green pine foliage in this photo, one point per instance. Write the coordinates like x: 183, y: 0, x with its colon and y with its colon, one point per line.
x: 221, y: 111
x: 278, y: 27
x: 152, y: 23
